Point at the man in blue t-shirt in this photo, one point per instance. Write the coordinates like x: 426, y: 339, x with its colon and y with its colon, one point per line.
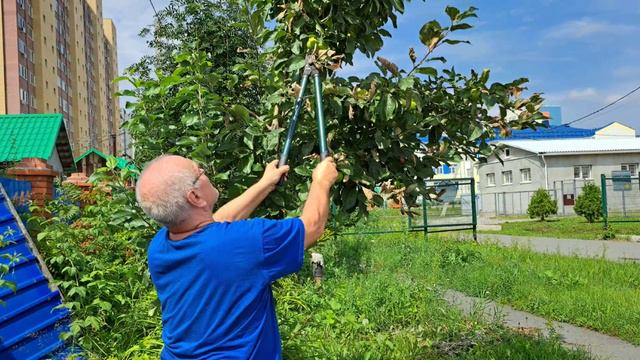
x: 213, y: 275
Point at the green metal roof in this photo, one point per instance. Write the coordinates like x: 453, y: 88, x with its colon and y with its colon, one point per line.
x: 122, y: 162
x: 34, y: 135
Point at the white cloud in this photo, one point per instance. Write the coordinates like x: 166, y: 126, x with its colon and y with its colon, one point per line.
x: 587, y: 27
x: 625, y: 72
x: 582, y: 93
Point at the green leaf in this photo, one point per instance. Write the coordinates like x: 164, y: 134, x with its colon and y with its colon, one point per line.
x: 454, y: 42
x: 248, y: 163
x: 248, y: 140
x: 399, y: 5
x: 190, y: 119
x: 349, y: 197
x: 476, y: 133
x: 453, y: 12
x: 390, y: 108
x: 461, y: 26
x: 406, y: 82
x: 427, y: 70
x: 112, y: 163
x: 239, y: 112
x: 430, y: 33
x: 296, y: 64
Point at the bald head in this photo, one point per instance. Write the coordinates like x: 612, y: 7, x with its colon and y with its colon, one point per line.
x: 163, y: 186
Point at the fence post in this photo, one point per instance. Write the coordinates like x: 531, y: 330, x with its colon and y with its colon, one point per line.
x: 603, y: 187
x: 520, y: 203
x: 425, y: 225
x: 495, y: 200
x: 504, y: 202
x: 562, y: 194
x: 624, y: 203
x: 474, y: 215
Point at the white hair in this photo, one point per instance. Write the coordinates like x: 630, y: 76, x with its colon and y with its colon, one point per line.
x: 168, y: 206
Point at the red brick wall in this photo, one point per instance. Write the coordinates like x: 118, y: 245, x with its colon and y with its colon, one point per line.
x: 40, y: 174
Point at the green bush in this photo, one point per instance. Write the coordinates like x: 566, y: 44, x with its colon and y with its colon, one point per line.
x: 589, y: 203
x: 541, y: 205
x: 608, y: 233
x: 97, y: 255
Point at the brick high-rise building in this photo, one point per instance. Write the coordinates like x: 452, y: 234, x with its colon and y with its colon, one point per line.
x: 60, y: 56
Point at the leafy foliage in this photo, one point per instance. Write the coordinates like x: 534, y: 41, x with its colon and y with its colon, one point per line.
x: 6, y: 261
x: 608, y: 233
x: 97, y: 254
x: 541, y: 205
x: 372, y: 121
x: 589, y: 203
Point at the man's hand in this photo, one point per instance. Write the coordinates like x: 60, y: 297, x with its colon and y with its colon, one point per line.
x: 273, y: 173
x: 325, y: 172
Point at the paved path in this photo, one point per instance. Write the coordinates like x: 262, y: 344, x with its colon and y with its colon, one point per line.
x: 598, y: 344
x: 610, y: 250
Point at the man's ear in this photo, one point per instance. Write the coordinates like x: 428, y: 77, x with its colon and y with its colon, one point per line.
x: 194, y: 199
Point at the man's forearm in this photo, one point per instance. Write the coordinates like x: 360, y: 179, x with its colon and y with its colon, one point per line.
x: 315, y: 213
x: 241, y: 207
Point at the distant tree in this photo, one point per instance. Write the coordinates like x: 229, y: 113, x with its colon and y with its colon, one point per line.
x: 541, y: 205
x: 589, y: 203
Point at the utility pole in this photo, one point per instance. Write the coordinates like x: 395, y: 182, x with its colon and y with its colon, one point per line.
x: 113, y: 144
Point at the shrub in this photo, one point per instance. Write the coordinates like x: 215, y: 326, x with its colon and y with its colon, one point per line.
x: 589, y: 203
x: 608, y: 233
x: 541, y: 205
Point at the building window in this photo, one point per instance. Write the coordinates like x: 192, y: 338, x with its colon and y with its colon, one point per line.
x: 22, y: 70
x: 24, y: 96
x: 491, y: 179
x: 22, y: 25
x: 507, y: 177
x: 582, y: 172
x: 33, y: 102
x: 22, y: 47
x: 507, y: 152
x: 632, y: 168
x: 525, y: 175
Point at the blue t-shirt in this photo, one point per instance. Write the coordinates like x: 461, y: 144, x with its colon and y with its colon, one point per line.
x: 215, y: 287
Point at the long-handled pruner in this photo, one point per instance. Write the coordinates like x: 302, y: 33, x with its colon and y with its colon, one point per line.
x: 309, y: 69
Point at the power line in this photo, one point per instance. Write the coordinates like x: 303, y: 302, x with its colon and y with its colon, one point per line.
x: 602, y: 108
x: 153, y: 7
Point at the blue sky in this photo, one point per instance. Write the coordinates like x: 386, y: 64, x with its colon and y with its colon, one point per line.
x: 581, y: 54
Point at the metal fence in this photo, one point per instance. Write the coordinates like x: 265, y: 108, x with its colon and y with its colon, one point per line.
x: 620, y: 198
x: 19, y: 193
x: 513, y: 203
x: 452, y: 208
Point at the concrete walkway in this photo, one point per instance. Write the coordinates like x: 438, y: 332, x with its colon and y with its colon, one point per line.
x: 610, y: 250
x: 598, y: 344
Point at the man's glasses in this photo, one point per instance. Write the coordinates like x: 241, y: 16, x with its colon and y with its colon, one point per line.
x: 195, y: 181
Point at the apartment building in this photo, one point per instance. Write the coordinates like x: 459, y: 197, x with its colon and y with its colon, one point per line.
x: 60, y: 56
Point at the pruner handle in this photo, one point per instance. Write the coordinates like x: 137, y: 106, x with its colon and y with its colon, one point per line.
x: 281, y: 162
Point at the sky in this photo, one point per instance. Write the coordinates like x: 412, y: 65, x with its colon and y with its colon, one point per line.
x: 582, y: 55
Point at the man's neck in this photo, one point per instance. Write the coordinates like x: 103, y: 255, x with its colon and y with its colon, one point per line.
x: 182, y: 231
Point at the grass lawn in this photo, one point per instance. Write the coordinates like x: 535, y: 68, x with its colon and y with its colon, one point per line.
x: 593, y: 293
x: 380, y: 299
x: 566, y: 228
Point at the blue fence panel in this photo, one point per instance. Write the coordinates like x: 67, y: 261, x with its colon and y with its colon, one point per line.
x: 19, y: 192
x: 31, y: 321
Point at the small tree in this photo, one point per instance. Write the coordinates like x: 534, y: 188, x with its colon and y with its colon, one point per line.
x: 589, y: 203
x: 541, y: 205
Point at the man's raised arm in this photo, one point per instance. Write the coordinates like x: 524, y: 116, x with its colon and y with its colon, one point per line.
x: 241, y: 207
x: 316, y: 208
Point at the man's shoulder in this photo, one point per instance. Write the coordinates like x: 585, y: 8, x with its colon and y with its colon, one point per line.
x: 157, y: 239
